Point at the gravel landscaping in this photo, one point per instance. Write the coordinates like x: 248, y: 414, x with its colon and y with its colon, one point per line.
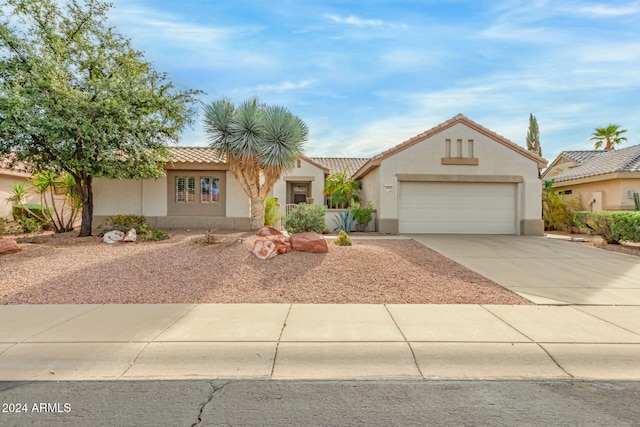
x: 65, y: 269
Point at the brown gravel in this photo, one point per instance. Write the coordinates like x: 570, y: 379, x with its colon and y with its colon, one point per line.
x: 65, y: 269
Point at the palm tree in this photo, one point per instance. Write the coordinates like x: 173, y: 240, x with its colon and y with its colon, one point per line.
x: 610, y: 135
x: 260, y: 142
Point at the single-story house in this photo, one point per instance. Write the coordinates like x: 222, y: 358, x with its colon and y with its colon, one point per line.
x: 603, y: 179
x: 458, y: 177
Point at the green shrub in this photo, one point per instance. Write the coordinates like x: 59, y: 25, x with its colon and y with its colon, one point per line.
x: 558, y: 210
x: 362, y: 215
x: 636, y: 200
x: 154, y: 234
x: 29, y: 216
x: 305, y: 217
x: 613, y: 227
x: 125, y: 222
x: 343, y: 239
x: 37, y: 211
x: 271, y: 211
x: 29, y: 225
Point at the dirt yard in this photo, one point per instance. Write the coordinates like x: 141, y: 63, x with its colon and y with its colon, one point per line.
x: 65, y: 269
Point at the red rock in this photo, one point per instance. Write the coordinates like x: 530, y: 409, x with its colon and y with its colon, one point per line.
x: 8, y: 246
x: 264, y: 248
x: 269, y: 231
x: 309, y: 242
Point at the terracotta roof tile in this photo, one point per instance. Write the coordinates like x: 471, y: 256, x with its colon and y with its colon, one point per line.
x: 339, y: 164
x: 622, y: 160
x: 205, y: 155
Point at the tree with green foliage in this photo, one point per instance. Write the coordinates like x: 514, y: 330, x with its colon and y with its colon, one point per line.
x: 610, y: 136
x: 341, y: 189
x: 533, y: 136
x: 259, y: 141
x: 76, y: 97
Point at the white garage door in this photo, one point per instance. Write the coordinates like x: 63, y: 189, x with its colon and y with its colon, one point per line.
x: 457, y: 208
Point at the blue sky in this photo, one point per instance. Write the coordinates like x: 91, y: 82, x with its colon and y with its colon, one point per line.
x: 367, y: 75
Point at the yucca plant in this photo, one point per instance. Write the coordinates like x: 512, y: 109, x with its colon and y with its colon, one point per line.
x: 259, y: 141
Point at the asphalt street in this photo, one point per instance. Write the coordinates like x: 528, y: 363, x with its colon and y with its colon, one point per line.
x: 320, y: 403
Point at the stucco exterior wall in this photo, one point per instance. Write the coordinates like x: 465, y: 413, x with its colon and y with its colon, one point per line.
x: 118, y: 196
x: 6, y: 187
x: 150, y: 197
x: 238, y: 203
x: 425, y: 157
x: 307, y: 172
x: 615, y: 192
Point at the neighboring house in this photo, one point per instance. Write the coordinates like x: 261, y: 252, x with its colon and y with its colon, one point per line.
x: 18, y: 174
x: 604, y: 180
x: 457, y: 177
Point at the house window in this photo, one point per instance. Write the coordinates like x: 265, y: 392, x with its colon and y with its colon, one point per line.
x: 185, y: 189
x: 209, y: 189
x: 565, y: 192
x: 470, y: 149
x: 447, y: 148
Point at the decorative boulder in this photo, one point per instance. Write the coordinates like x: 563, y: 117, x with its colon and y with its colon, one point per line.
x: 8, y: 246
x: 264, y: 248
x: 309, y: 242
x: 130, y: 236
x: 269, y: 231
x: 113, y: 236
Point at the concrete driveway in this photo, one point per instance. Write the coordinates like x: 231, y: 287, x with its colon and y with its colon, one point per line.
x: 545, y: 270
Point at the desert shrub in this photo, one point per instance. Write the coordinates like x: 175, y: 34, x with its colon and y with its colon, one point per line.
x: 558, y: 210
x: 154, y: 234
x: 32, y: 217
x: 343, y: 239
x: 362, y: 215
x: 29, y: 225
x: 344, y: 221
x: 125, y: 222
x: 613, y: 227
x: 305, y: 217
x: 271, y: 211
x: 32, y: 210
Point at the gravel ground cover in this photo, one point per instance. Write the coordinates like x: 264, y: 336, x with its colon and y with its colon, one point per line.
x: 65, y: 269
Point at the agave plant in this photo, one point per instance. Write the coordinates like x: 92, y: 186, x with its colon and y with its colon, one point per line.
x: 344, y: 221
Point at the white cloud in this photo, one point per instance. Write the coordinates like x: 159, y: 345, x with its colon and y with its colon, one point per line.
x: 355, y: 21
x: 609, y: 10
x: 285, y: 86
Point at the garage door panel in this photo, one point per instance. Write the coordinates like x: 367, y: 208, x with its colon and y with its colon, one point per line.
x: 463, y: 208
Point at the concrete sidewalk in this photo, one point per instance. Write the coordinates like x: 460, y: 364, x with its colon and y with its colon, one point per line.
x: 298, y: 341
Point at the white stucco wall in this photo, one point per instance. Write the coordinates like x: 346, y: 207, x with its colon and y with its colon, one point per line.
x: 6, y: 188
x: 238, y: 203
x: 117, y: 196
x: 306, y: 172
x: 154, y: 196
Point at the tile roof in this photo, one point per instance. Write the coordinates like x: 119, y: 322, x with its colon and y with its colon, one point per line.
x: 339, y: 164
x: 621, y: 160
x: 17, y: 166
x: 205, y: 155
x: 581, y: 156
